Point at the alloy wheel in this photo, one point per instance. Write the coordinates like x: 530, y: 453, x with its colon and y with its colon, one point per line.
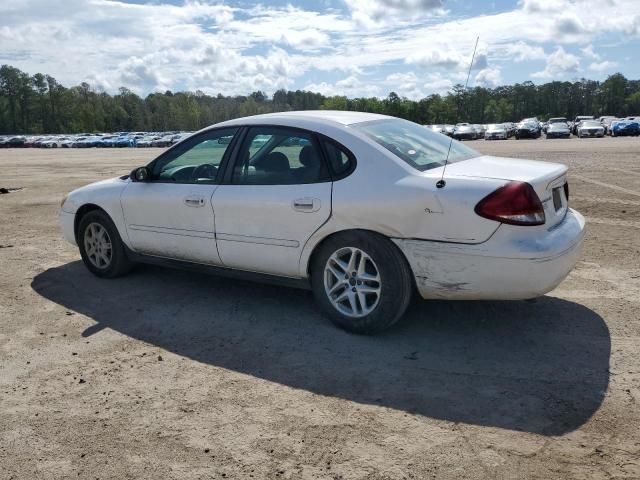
x: 97, y: 245
x: 352, y: 282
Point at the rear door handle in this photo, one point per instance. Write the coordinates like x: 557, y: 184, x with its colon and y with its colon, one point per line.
x: 306, y: 204
x: 194, y: 201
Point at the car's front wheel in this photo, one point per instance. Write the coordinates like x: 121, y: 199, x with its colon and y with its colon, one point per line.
x: 362, y: 281
x: 101, y: 247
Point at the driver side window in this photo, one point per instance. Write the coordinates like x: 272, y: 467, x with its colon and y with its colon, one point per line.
x: 196, y: 161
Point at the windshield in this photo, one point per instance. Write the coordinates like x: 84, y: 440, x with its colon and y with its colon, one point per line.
x: 590, y: 123
x: 419, y: 147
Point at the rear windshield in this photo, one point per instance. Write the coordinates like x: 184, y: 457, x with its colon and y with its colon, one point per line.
x: 420, y: 147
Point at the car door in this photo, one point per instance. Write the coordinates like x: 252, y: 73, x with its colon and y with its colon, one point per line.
x: 171, y: 215
x: 274, y: 197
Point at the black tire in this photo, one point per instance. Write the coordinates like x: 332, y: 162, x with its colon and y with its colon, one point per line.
x: 120, y: 263
x: 396, y: 280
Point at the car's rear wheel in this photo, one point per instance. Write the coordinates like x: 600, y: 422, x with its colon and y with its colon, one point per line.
x: 101, y: 247
x: 362, y: 281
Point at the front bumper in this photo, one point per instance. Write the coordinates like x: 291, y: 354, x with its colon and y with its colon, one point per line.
x: 67, y: 226
x: 495, y: 136
x: 592, y: 133
x: 526, y: 134
x: 508, y: 266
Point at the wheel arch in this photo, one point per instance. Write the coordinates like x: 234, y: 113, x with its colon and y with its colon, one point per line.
x: 313, y: 251
x: 81, y: 212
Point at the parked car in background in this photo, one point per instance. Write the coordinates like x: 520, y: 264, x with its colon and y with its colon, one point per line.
x: 465, y: 131
x: 89, y: 142
x: 590, y: 128
x: 578, y: 119
x: 528, y: 128
x: 606, y: 123
x: 558, y: 130
x: 123, y: 141
x: 449, y: 130
x: 66, y: 142
x: 17, y: 141
x: 437, y: 128
x: 558, y: 120
x: 51, y: 142
x: 480, y: 129
x: 30, y: 142
x: 325, y: 215
x: 626, y: 127
x: 165, y: 141
x: 147, y: 141
x: 496, y: 131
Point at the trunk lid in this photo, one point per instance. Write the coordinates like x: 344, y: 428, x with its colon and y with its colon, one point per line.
x: 547, y: 179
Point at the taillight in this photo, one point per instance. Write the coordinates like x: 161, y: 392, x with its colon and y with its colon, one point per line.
x: 515, y: 203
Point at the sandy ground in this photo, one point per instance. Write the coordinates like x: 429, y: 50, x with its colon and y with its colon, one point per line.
x: 167, y: 374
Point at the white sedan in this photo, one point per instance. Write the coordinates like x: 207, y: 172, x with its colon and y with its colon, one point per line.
x: 356, y: 206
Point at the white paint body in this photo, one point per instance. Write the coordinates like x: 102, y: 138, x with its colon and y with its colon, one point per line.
x: 453, y: 252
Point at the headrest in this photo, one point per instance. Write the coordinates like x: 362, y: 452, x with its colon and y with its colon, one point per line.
x: 274, y: 162
x: 309, y: 157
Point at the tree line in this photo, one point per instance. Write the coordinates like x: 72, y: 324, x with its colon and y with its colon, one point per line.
x: 40, y: 104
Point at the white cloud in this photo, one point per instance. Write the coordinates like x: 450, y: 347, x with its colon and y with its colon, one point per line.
x: 522, y: 52
x: 544, y: 6
x: 569, y: 25
x: 350, y: 86
x: 559, y: 64
x: 234, y: 48
x: 436, y: 83
x: 436, y: 58
x: 589, y: 52
x: 375, y: 13
x: 447, y: 59
x: 489, y: 77
x: 603, y: 66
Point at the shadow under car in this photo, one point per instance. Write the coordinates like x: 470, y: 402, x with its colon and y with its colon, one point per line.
x: 540, y: 367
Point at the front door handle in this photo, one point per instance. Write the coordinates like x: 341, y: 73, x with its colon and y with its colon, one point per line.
x: 194, y: 201
x: 306, y: 204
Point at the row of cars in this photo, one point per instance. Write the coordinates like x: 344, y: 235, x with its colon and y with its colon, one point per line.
x: 559, y: 127
x: 527, y: 128
x: 105, y: 140
x: 588, y: 126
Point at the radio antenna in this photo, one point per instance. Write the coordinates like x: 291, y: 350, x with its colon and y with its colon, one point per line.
x: 441, y: 183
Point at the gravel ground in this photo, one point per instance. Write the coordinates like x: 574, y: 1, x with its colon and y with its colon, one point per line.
x: 167, y: 374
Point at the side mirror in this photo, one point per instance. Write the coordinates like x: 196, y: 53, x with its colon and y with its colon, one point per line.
x: 140, y: 174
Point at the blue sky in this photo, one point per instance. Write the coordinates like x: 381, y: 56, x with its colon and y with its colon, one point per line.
x: 342, y: 47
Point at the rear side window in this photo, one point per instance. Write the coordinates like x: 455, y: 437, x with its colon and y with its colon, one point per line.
x: 340, y: 160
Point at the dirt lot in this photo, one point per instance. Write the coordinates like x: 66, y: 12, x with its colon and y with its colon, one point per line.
x: 166, y: 374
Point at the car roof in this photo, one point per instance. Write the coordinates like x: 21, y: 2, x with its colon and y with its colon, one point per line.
x: 308, y: 116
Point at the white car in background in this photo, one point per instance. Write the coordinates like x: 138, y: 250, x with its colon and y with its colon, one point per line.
x: 590, y: 128
x: 52, y: 142
x: 356, y: 206
x: 496, y: 131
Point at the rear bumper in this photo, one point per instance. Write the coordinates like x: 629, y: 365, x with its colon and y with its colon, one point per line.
x: 505, y: 267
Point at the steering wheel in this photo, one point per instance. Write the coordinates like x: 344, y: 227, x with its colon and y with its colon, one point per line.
x: 206, y: 170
